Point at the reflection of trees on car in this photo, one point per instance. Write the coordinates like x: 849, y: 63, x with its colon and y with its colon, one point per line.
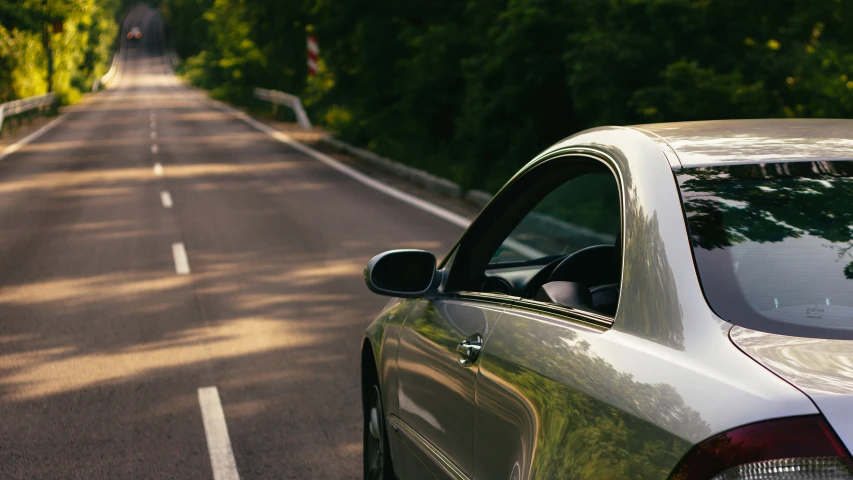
x: 565, y: 399
x: 647, y: 280
x: 589, y: 416
x: 770, y: 203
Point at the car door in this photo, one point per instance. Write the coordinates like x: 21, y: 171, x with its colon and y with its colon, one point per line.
x: 513, y: 244
x: 437, y: 360
x: 550, y: 402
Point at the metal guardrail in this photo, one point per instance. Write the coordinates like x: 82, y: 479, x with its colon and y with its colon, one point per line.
x: 107, y: 77
x: 173, y: 59
x: 17, y: 107
x: 288, y: 100
x: 119, y: 58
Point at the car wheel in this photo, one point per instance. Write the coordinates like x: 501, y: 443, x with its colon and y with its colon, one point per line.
x: 377, y: 458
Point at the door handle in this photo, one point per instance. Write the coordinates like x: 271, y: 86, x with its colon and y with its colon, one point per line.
x: 469, y: 350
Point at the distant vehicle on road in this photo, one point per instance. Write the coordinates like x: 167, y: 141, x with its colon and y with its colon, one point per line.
x: 134, y: 34
x: 669, y: 301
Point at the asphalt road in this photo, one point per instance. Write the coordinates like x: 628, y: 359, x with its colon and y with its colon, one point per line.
x: 104, y: 344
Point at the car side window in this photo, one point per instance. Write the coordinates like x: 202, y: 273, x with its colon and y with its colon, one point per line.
x: 582, y: 212
x: 566, y: 248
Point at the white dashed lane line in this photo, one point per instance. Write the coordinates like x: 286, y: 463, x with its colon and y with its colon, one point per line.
x: 155, y: 148
x: 158, y: 169
x: 166, y: 198
x: 216, y: 431
x: 153, y: 135
x: 182, y: 263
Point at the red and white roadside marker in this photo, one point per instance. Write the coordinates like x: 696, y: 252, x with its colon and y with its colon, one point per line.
x: 313, y: 55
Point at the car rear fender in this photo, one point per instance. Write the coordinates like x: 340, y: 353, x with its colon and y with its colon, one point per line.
x: 820, y: 368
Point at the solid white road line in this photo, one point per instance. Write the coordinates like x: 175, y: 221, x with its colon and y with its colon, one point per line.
x: 29, y: 138
x: 166, y: 198
x: 182, y: 264
x: 155, y: 148
x: 440, y: 212
x: 216, y: 431
x: 158, y: 169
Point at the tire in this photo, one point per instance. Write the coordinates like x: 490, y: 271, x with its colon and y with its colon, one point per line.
x: 377, y: 457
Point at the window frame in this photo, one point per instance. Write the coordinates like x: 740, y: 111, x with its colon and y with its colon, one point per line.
x: 458, y: 265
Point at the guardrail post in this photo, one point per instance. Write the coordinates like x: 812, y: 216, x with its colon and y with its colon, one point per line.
x: 280, y: 98
x: 301, y: 116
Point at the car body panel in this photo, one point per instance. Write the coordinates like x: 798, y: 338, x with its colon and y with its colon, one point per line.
x: 706, y: 143
x: 663, y: 373
x: 562, y: 400
x: 435, y: 392
x: 382, y: 338
x: 665, y: 341
x: 821, y: 368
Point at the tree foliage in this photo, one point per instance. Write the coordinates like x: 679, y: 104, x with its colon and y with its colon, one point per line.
x: 471, y: 90
x: 81, y: 51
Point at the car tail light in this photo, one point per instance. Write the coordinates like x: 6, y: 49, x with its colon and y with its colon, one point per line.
x: 796, y: 448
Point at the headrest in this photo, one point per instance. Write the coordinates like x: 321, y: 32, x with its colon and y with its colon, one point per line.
x: 570, y: 294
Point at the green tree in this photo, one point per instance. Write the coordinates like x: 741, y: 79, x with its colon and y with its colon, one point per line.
x: 472, y: 90
x: 81, y: 51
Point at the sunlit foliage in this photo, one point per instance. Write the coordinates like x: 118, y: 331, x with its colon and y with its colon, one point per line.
x: 81, y: 50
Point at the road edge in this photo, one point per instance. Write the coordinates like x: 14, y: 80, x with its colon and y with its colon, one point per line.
x: 282, y: 137
x: 87, y: 100
x: 9, y: 150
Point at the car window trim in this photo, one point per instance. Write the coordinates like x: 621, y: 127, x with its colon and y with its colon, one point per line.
x: 494, y: 299
x: 561, y: 312
x: 571, y: 151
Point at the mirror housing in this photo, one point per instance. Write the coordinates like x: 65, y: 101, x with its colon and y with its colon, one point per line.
x: 402, y: 273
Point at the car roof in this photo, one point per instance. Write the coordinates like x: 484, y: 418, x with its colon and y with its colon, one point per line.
x: 719, y: 142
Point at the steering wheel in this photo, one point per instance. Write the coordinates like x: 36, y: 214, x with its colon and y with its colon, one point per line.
x: 541, y: 277
x: 589, y: 267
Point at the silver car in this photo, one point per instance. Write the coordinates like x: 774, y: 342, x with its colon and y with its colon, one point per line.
x: 661, y: 301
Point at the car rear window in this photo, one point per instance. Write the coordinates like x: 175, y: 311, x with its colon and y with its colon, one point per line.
x: 773, y: 244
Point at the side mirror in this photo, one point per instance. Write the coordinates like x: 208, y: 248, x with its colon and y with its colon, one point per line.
x: 401, y: 273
